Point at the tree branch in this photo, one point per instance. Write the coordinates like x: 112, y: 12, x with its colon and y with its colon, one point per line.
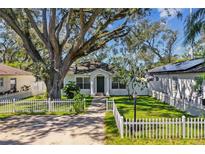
x: 93, y: 44
x: 44, y: 19
x: 34, y: 25
x: 26, y: 40
x: 52, y: 36
x: 67, y: 29
x: 60, y: 24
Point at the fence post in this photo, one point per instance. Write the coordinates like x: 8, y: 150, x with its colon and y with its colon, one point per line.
x: 14, y: 106
x: 49, y: 104
x: 106, y: 104
x: 121, y: 127
x: 113, y: 107
x: 184, y: 126
x: 84, y: 103
x: 113, y: 103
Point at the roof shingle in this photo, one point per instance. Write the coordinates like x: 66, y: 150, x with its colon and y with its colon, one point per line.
x: 87, y: 67
x: 7, y: 70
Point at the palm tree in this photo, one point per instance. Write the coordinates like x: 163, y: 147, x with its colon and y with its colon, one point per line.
x: 195, y: 25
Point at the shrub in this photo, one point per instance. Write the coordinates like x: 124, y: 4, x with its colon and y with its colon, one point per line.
x: 71, y: 89
x: 198, y: 83
x: 78, y: 102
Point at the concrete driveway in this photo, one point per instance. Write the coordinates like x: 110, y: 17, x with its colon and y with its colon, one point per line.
x: 77, y: 129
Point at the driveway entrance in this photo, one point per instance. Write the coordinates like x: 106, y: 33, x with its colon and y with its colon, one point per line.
x: 86, y: 128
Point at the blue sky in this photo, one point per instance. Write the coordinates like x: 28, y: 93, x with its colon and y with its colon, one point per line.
x: 174, y: 23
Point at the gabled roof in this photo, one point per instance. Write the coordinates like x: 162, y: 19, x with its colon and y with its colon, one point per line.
x: 194, y: 65
x: 87, y: 67
x: 7, y: 70
x: 99, y: 70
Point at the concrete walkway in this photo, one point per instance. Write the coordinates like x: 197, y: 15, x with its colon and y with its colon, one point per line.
x: 77, y: 129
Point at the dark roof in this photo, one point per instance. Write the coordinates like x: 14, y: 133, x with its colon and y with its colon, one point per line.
x: 87, y: 67
x: 7, y: 70
x: 194, y: 65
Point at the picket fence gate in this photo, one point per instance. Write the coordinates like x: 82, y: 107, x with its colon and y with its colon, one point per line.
x: 17, y: 106
x: 158, y: 128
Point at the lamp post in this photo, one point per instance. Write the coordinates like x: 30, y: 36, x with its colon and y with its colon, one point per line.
x: 135, y: 103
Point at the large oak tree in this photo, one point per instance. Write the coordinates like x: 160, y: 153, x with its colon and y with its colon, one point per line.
x: 55, y: 38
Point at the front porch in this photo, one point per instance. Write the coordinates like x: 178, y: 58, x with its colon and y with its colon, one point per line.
x: 100, y: 83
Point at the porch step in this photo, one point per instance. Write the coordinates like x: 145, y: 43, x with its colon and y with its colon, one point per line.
x: 99, y: 94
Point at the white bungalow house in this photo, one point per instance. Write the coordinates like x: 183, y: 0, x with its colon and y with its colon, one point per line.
x: 176, y: 85
x: 95, y: 78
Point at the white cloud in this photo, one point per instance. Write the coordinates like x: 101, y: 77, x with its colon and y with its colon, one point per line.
x: 168, y: 13
x: 179, y: 50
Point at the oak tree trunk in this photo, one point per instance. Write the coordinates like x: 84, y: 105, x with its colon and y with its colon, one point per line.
x: 54, y: 85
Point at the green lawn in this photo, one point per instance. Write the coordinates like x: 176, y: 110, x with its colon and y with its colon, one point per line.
x: 147, y: 107
x: 43, y: 97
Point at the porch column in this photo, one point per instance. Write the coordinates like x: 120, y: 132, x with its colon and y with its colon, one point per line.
x: 92, y: 86
x: 107, y: 86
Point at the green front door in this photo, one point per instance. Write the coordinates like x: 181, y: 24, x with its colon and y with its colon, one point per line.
x: 100, y: 84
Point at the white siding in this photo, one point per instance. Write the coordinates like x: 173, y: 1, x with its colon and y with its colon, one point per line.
x: 141, y: 91
x: 72, y: 77
x: 107, y: 84
x: 6, y: 84
x: 20, y: 81
x: 185, y: 84
x: 184, y: 94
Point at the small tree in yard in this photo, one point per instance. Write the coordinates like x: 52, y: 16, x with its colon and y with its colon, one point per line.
x: 79, y: 102
x: 128, y: 70
x: 55, y: 38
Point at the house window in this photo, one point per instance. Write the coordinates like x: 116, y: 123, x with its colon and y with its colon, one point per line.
x: 83, y: 82
x: 86, y: 83
x: 116, y: 84
x: 1, y: 82
x: 79, y: 82
x: 157, y: 78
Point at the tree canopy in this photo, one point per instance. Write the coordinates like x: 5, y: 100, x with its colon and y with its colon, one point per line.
x: 55, y: 38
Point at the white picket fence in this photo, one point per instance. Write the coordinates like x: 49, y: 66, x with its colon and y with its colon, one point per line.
x: 158, y: 128
x: 164, y: 128
x: 111, y: 106
x: 18, y: 106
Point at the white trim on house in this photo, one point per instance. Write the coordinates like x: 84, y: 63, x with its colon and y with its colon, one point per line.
x: 106, y: 75
x: 108, y: 78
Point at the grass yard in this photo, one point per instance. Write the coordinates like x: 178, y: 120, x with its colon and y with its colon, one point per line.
x: 43, y: 97
x: 147, y: 107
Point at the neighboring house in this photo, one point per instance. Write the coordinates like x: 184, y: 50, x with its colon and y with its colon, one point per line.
x: 95, y: 78
x: 15, y: 80
x: 175, y: 84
